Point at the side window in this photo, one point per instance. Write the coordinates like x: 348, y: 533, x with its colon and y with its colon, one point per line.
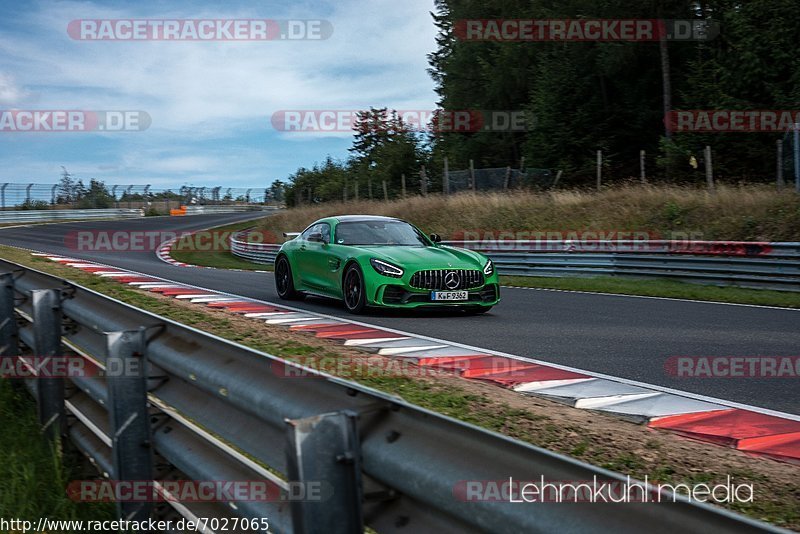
x: 321, y: 228
x: 325, y: 230
x: 308, y: 231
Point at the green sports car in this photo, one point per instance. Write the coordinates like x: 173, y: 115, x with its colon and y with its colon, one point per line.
x: 366, y: 260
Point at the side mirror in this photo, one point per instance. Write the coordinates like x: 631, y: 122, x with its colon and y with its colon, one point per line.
x: 316, y: 237
x: 436, y: 238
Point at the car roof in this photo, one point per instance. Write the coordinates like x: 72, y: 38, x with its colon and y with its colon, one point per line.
x: 362, y: 218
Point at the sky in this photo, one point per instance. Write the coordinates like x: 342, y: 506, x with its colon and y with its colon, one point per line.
x: 210, y: 102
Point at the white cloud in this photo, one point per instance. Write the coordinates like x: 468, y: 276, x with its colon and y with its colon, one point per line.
x: 199, y: 91
x: 375, y: 57
x: 10, y: 92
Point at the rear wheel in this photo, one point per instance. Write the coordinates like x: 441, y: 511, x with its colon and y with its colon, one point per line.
x: 355, y: 298
x: 284, y: 281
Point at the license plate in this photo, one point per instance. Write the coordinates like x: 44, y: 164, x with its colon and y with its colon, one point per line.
x: 449, y: 295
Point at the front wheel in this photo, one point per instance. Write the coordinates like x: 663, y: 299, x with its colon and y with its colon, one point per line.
x: 355, y: 298
x: 284, y: 281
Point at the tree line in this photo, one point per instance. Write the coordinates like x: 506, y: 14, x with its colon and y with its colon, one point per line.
x: 384, y: 151
x: 588, y: 96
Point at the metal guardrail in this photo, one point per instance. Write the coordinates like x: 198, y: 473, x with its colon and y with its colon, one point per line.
x: 255, y: 252
x: 61, y: 194
x: 199, y: 210
x: 50, y: 215
x: 203, y: 408
x: 747, y: 264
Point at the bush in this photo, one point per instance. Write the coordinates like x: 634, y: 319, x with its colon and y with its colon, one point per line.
x: 34, y: 205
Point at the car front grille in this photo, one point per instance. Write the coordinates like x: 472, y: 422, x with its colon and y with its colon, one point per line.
x: 437, y: 279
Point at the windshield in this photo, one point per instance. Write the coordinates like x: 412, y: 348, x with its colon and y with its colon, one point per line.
x: 397, y: 233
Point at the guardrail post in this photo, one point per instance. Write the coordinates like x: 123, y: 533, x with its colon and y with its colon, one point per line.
x: 324, y: 461
x: 126, y: 377
x: 47, y: 344
x: 8, y: 324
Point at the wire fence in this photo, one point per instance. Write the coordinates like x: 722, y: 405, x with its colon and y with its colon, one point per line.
x: 39, y: 196
x: 497, y: 179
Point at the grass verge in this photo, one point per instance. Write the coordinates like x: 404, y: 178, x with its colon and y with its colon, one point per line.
x: 219, y: 259
x: 184, y: 250
x: 595, y: 438
x: 33, y: 474
x: 660, y: 288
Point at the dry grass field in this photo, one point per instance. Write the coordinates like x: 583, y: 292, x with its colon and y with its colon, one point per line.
x: 746, y: 213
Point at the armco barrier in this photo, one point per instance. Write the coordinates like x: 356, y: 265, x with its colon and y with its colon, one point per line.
x: 255, y: 252
x: 23, y: 216
x: 208, y: 210
x: 199, y: 210
x: 747, y: 264
x: 203, y: 408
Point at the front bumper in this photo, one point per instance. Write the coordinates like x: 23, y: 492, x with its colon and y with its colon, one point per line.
x: 401, y: 296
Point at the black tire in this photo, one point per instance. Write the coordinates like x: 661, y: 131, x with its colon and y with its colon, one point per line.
x: 284, y: 282
x: 355, y: 297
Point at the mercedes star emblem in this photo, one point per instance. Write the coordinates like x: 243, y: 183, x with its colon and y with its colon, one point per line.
x: 452, y: 280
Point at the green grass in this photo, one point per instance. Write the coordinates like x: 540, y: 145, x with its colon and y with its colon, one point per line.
x: 660, y: 288
x: 33, y: 473
x: 220, y: 259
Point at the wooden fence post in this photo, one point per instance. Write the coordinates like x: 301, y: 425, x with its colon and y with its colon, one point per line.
x: 446, y: 178
x: 472, y: 176
x: 709, y: 169
x: 642, y: 168
x: 599, y: 169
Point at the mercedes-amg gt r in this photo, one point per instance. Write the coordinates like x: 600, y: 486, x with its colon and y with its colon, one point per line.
x: 366, y: 260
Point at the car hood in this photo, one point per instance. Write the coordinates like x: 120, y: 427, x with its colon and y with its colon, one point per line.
x: 439, y: 257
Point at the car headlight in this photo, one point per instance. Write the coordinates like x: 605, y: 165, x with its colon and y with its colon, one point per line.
x: 386, y: 269
x: 488, y: 269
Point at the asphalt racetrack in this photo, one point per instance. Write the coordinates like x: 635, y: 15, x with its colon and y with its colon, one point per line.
x: 622, y: 336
